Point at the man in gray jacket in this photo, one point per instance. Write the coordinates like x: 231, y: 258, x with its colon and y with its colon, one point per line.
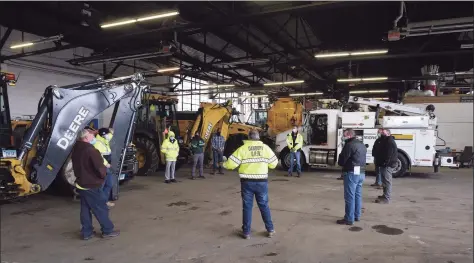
x: 352, y: 159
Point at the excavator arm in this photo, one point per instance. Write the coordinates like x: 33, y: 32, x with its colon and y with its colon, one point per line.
x: 62, y: 113
x: 209, y: 115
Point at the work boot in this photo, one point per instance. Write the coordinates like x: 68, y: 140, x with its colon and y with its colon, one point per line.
x: 202, y: 177
x: 343, y: 222
x: 289, y: 175
x: 110, y: 204
x: 340, y: 178
x: 381, y: 197
x: 298, y: 174
x: 114, y: 233
x: 220, y: 170
x: 271, y: 234
x: 192, y: 178
x: 173, y: 181
x: 90, y: 236
x: 375, y: 184
x: 383, y: 201
x: 246, y: 236
x: 167, y: 181
x: 213, y: 172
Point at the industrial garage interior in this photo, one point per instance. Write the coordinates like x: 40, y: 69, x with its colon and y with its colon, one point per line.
x: 161, y: 74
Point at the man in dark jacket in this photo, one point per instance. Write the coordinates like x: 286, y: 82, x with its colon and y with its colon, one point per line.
x: 197, y: 147
x: 90, y: 172
x: 352, y: 159
x: 376, y: 155
x: 387, y: 161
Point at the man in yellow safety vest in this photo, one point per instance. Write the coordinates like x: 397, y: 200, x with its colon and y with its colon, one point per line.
x: 170, y: 148
x: 295, y: 143
x: 254, y: 159
x: 101, y: 143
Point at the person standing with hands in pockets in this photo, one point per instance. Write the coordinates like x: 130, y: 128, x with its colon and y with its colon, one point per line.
x: 217, y: 143
x: 352, y: 159
x: 197, y: 147
x: 295, y: 143
x: 170, y: 148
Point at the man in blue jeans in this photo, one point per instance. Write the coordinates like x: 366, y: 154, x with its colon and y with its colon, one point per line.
x: 352, y: 159
x: 294, y: 143
x: 90, y: 171
x: 217, y: 144
x: 254, y: 159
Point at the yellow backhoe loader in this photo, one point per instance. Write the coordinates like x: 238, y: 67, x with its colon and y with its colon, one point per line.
x: 34, y: 152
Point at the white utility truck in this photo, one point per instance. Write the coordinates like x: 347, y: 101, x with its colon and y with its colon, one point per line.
x: 414, y: 129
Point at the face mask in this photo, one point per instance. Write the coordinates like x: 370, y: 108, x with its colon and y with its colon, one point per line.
x: 218, y: 133
x: 378, y: 135
x: 108, y: 136
x: 343, y: 139
x: 172, y: 138
x: 294, y: 131
x: 93, y: 141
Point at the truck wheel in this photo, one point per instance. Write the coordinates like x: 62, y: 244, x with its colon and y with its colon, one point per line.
x: 147, y: 156
x: 402, y: 166
x: 285, y: 160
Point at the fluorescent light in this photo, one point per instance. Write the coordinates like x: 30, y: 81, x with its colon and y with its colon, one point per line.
x: 369, y: 52
x: 218, y: 86
x: 305, y: 94
x: 355, y: 53
x: 157, y: 16
x: 284, y: 83
x: 333, y: 55
x: 367, y: 91
x: 22, y: 45
x: 380, y: 98
x: 119, y: 23
x: 168, y: 69
x: 362, y: 79
x: 348, y: 80
x: 375, y: 79
x: 131, y: 21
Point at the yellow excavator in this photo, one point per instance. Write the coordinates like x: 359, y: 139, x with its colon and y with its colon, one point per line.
x: 34, y: 153
x: 214, y: 116
x: 159, y: 115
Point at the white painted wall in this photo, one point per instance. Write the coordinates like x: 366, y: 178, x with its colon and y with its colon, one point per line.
x: 38, y: 72
x: 455, y: 121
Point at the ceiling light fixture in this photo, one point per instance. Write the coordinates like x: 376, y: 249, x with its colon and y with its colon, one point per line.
x: 380, y: 98
x: 368, y: 91
x: 305, y: 94
x: 363, y: 79
x: 284, y: 83
x: 141, y: 19
x: 168, y: 69
x: 38, y: 41
x: 349, y: 54
x: 22, y: 45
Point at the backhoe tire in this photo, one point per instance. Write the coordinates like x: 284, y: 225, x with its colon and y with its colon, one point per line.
x: 149, y: 152
x: 402, y: 166
x: 63, y: 184
x: 233, y: 143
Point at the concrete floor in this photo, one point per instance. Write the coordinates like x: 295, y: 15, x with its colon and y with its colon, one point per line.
x: 429, y: 220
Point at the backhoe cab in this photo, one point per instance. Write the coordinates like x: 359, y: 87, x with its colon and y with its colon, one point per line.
x: 156, y: 117
x: 49, y: 139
